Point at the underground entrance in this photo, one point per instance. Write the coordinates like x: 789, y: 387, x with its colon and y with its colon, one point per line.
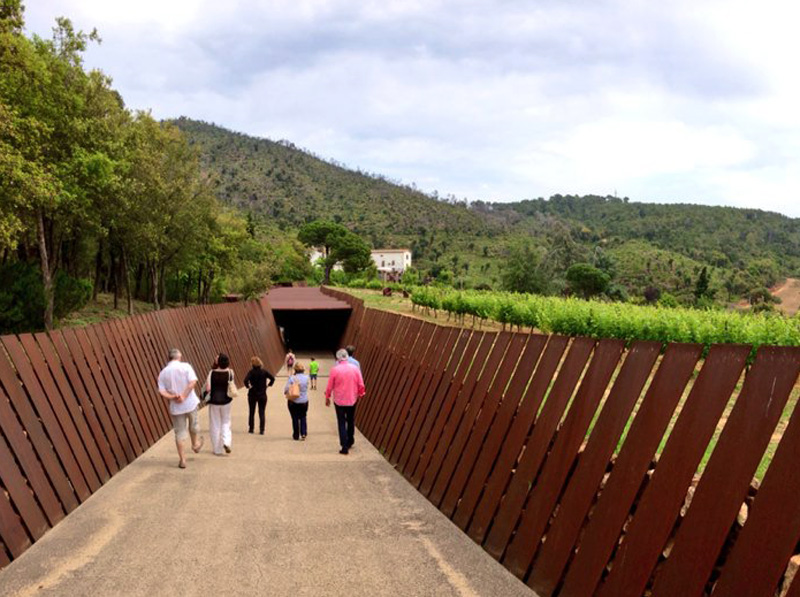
x: 309, y: 320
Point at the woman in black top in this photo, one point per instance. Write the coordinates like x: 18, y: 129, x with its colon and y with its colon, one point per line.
x: 219, y: 405
x: 256, y: 383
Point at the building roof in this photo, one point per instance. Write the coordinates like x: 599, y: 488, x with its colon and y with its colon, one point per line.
x: 390, y: 250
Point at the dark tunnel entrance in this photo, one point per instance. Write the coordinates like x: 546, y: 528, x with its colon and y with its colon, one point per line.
x: 313, y: 330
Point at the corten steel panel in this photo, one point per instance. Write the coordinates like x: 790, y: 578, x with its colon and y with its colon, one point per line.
x: 422, y: 403
x: 148, y: 363
x: 431, y: 337
x: 120, y: 372
x: 381, y: 375
x: 303, y: 299
x: 108, y: 393
x: 372, y: 360
x: 19, y: 442
x: 454, y: 405
x: 664, y: 495
x: 444, y: 403
x: 499, y: 431
x: 140, y: 391
x: 608, y: 517
x: 391, y: 327
x: 440, y: 350
x: 726, y: 479
x: 35, y: 429
x: 544, y: 494
x: 536, y: 448
x: 13, y: 532
x: 417, y: 455
x: 185, y: 336
x: 399, y: 397
x: 400, y: 394
x: 762, y: 551
x: 517, y: 437
x: 367, y: 354
x: 378, y: 366
x: 72, y: 350
x: 482, y: 411
x: 60, y: 408
x: 116, y: 337
x: 396, y: 379
x: 84, y: 420
x: 585, y: 481
x: 116, y: 391
x: 105, y: 395
x: 466, y: 412
x: 12, y: 526
x: 94, y: 417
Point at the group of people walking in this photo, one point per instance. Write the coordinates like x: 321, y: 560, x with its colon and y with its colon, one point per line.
x: 177, y: 384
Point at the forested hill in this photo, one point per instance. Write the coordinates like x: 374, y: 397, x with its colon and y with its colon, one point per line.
x: 642, y: 246
x: 719, y: 236
x: 291, y: 186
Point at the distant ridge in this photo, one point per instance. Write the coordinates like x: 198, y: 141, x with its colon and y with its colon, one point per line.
x: 653, y: 245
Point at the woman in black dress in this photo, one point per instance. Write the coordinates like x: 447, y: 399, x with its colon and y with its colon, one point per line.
x: 256, y: 382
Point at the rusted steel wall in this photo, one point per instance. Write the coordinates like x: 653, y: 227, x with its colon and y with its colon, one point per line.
x: 575, y: 461
x: 77, y: 405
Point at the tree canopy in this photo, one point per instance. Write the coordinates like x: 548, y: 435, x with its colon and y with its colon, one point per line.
x: 339, y: 245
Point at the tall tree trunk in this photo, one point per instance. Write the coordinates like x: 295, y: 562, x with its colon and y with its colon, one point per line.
x: 162, y: 278
x: 113, y: 269
x: 327, y: 279
x: 139, y: 279
x: 98, y: 270
x: 199, y: 284
x: 126, y: 281
x: 154, y: 284
x: 47, y: 274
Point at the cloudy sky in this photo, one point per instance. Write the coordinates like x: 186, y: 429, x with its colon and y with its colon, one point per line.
x: 693, y: 101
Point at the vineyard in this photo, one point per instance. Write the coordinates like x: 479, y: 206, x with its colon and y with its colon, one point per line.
x: 577, y: 317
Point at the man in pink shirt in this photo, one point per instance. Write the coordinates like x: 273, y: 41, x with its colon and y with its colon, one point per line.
x: 347, y: 386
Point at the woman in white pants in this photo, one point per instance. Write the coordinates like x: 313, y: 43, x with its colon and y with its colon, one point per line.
x: 219, y: 405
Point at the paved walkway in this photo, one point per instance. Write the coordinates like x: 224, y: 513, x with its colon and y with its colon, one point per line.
x: 276, y: 517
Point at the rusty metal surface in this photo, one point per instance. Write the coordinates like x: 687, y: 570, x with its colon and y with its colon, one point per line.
x: 545, y: 468
x: 303, y: 299
x: 78, y: 405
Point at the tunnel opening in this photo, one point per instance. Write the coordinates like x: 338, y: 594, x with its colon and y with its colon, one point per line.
x: 312, y: 330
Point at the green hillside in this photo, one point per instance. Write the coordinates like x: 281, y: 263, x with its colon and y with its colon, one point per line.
x: 291, y: 186
x: 641, y: 245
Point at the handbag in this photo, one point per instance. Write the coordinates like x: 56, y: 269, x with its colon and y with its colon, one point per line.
x: 232, y: 389
x: 294, y: 391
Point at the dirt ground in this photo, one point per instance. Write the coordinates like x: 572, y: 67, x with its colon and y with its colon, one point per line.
x: 789, y: 293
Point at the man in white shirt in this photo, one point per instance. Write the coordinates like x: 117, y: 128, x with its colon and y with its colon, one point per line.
x: 176, y: 384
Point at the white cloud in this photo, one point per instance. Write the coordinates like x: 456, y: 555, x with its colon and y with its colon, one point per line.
x: 677, y: 101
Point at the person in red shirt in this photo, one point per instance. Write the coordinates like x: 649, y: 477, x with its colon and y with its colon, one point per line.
x: 347, y: 386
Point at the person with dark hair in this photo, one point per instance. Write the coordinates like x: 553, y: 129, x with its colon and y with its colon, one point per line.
x: 298, y: 408
x: 351, y: 350
x: 221, y: 388
x: 313, y: 372
x: 256, y: 381
x: 289, y: 359
x: 346, y: 386
x: 176, y: 384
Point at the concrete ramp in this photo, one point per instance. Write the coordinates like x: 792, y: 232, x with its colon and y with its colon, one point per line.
x: 276, y: 517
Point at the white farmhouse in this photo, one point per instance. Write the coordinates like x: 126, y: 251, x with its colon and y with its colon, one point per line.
x: 391, y: 263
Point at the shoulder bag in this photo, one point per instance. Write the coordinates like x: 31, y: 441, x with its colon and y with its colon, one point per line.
x: 294, y: 390
x: 232, y: 389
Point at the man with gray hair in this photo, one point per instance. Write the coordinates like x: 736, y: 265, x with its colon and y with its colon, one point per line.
x: 347, y: 386
x: 176, y: 384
